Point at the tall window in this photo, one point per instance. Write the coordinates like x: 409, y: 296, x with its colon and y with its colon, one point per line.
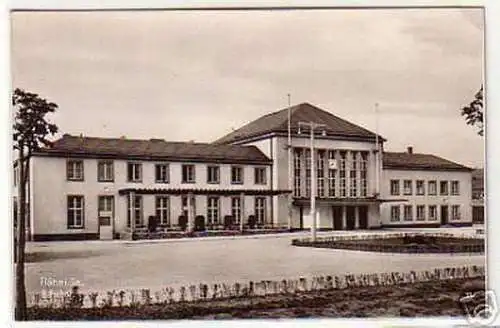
x: 420, y: 187
x: 432, y: 212
x: 236, y: 174
x: 76, y: 212
x: 135, y: 208
x: 307, y: 154
x: 134, y: 172
x: 162, y: 207
x: 407, y: 187
x: 320, y: 173
x: 395, y: 213
x: 363, y: 173
x: 331, y: 173
x: 353, y: 181
x: 105, y: 172
x: 432, y: 188
x: 260, y: 209
x: 455, y: 212
x: 394, y: 187
x: 16, y: 176
x: 188, y: 173
x: 408, y: 212
x: 74, y: 170
x: 343, y: 191
x: 213, y: 210
x: 455, y: 188
x: 443, y: 188
x: 260, y: 175
x: 162, y: 173
x: 296, y: 172
x: 236, y: 209
x: 213, y: 174
x: 420, y: 212
x: 184, y: 202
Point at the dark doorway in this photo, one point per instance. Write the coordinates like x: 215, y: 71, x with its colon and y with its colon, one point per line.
x: 337, y: 217
x: 363, y: 217
x: 301, y: 217
x: 444, y: 214
x: 351, y: 217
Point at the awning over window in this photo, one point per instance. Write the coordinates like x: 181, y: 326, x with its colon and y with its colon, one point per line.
x: 195, y: 191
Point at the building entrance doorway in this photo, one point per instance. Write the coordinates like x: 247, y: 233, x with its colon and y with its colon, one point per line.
x: 363, y: 217
x: 444, y: 214
x: 337, y: 217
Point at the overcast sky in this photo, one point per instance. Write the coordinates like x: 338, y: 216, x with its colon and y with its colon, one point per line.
x: 195, y: 75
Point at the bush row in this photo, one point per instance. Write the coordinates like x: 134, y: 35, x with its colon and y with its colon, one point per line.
x: 218, y: 291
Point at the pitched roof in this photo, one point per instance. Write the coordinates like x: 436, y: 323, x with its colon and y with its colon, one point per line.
x: 413, y: 161
x: 277, y: 122
x: 154, y: 149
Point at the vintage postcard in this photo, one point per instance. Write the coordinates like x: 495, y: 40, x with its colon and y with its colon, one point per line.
x: 249, y: 163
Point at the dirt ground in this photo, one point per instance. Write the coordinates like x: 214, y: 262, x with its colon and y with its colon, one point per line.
x: 437, y: 298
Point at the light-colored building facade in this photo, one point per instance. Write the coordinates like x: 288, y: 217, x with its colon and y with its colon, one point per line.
x: 435, y: 192
x: 89, y: 188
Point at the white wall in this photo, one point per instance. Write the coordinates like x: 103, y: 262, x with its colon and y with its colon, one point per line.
x: 50, y: 190
x: 463, y: 199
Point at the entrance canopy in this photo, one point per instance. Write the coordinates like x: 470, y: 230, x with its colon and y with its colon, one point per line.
x: 197, y: 191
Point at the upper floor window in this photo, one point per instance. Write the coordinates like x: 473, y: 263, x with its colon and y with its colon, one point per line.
x: 188, y: 173
x: 105, y: 171
x: 420, y: 187
x: 236, y: 174
x: 395, y: 187
x: 455, y: 188
x: 213, y: 174
x: 162, y: 173
x: 260, y: 175
x: 432, y: 188
x: 74, y: 170
x: 134, y: 172
x: 408, y: 187
x: 443, y: 188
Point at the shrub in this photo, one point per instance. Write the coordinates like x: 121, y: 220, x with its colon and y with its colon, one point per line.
x: 228, y: 221
x: 252, y: 221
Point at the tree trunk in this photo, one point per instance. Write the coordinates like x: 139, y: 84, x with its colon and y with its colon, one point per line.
x: 20, y: 311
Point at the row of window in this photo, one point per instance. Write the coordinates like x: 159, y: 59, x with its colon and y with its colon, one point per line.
x: 105, y: 172
x: 76, y: 209
x: 343, y: 177
x: 421, y: 213
x: 420, y: 187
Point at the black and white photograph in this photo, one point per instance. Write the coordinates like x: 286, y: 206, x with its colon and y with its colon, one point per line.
x: 227, y: 164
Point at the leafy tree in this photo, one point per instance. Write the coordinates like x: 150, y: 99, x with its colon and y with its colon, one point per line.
x: 473, y: 112
x: 30, y: 132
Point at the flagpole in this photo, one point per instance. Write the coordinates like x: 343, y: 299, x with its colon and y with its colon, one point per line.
x: 289, y: 148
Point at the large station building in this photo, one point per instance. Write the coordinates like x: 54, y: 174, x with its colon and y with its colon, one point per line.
x: 258, y: 176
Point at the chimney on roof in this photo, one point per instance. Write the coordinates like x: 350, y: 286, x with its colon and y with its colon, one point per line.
x: 410, y: 150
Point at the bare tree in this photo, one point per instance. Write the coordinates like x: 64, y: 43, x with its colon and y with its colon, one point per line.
x: 473, y: 112
x: 30, y: 132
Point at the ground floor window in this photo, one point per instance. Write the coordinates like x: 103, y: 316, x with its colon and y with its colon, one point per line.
x: 184, y: 202
x: 395, y: 213
x: 14, y: 208
x: 260, y: 209
x: 455, y: 212
x: 135, y: 211
x: 420, y: 212
x: 408, y: 212
x: 236, y: 209
x: 432, y: 212
x: 75, y: 208
x: 162, y: 207
x: 213, y: 210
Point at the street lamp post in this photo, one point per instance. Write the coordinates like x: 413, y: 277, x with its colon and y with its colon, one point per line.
x: 312, y: 126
